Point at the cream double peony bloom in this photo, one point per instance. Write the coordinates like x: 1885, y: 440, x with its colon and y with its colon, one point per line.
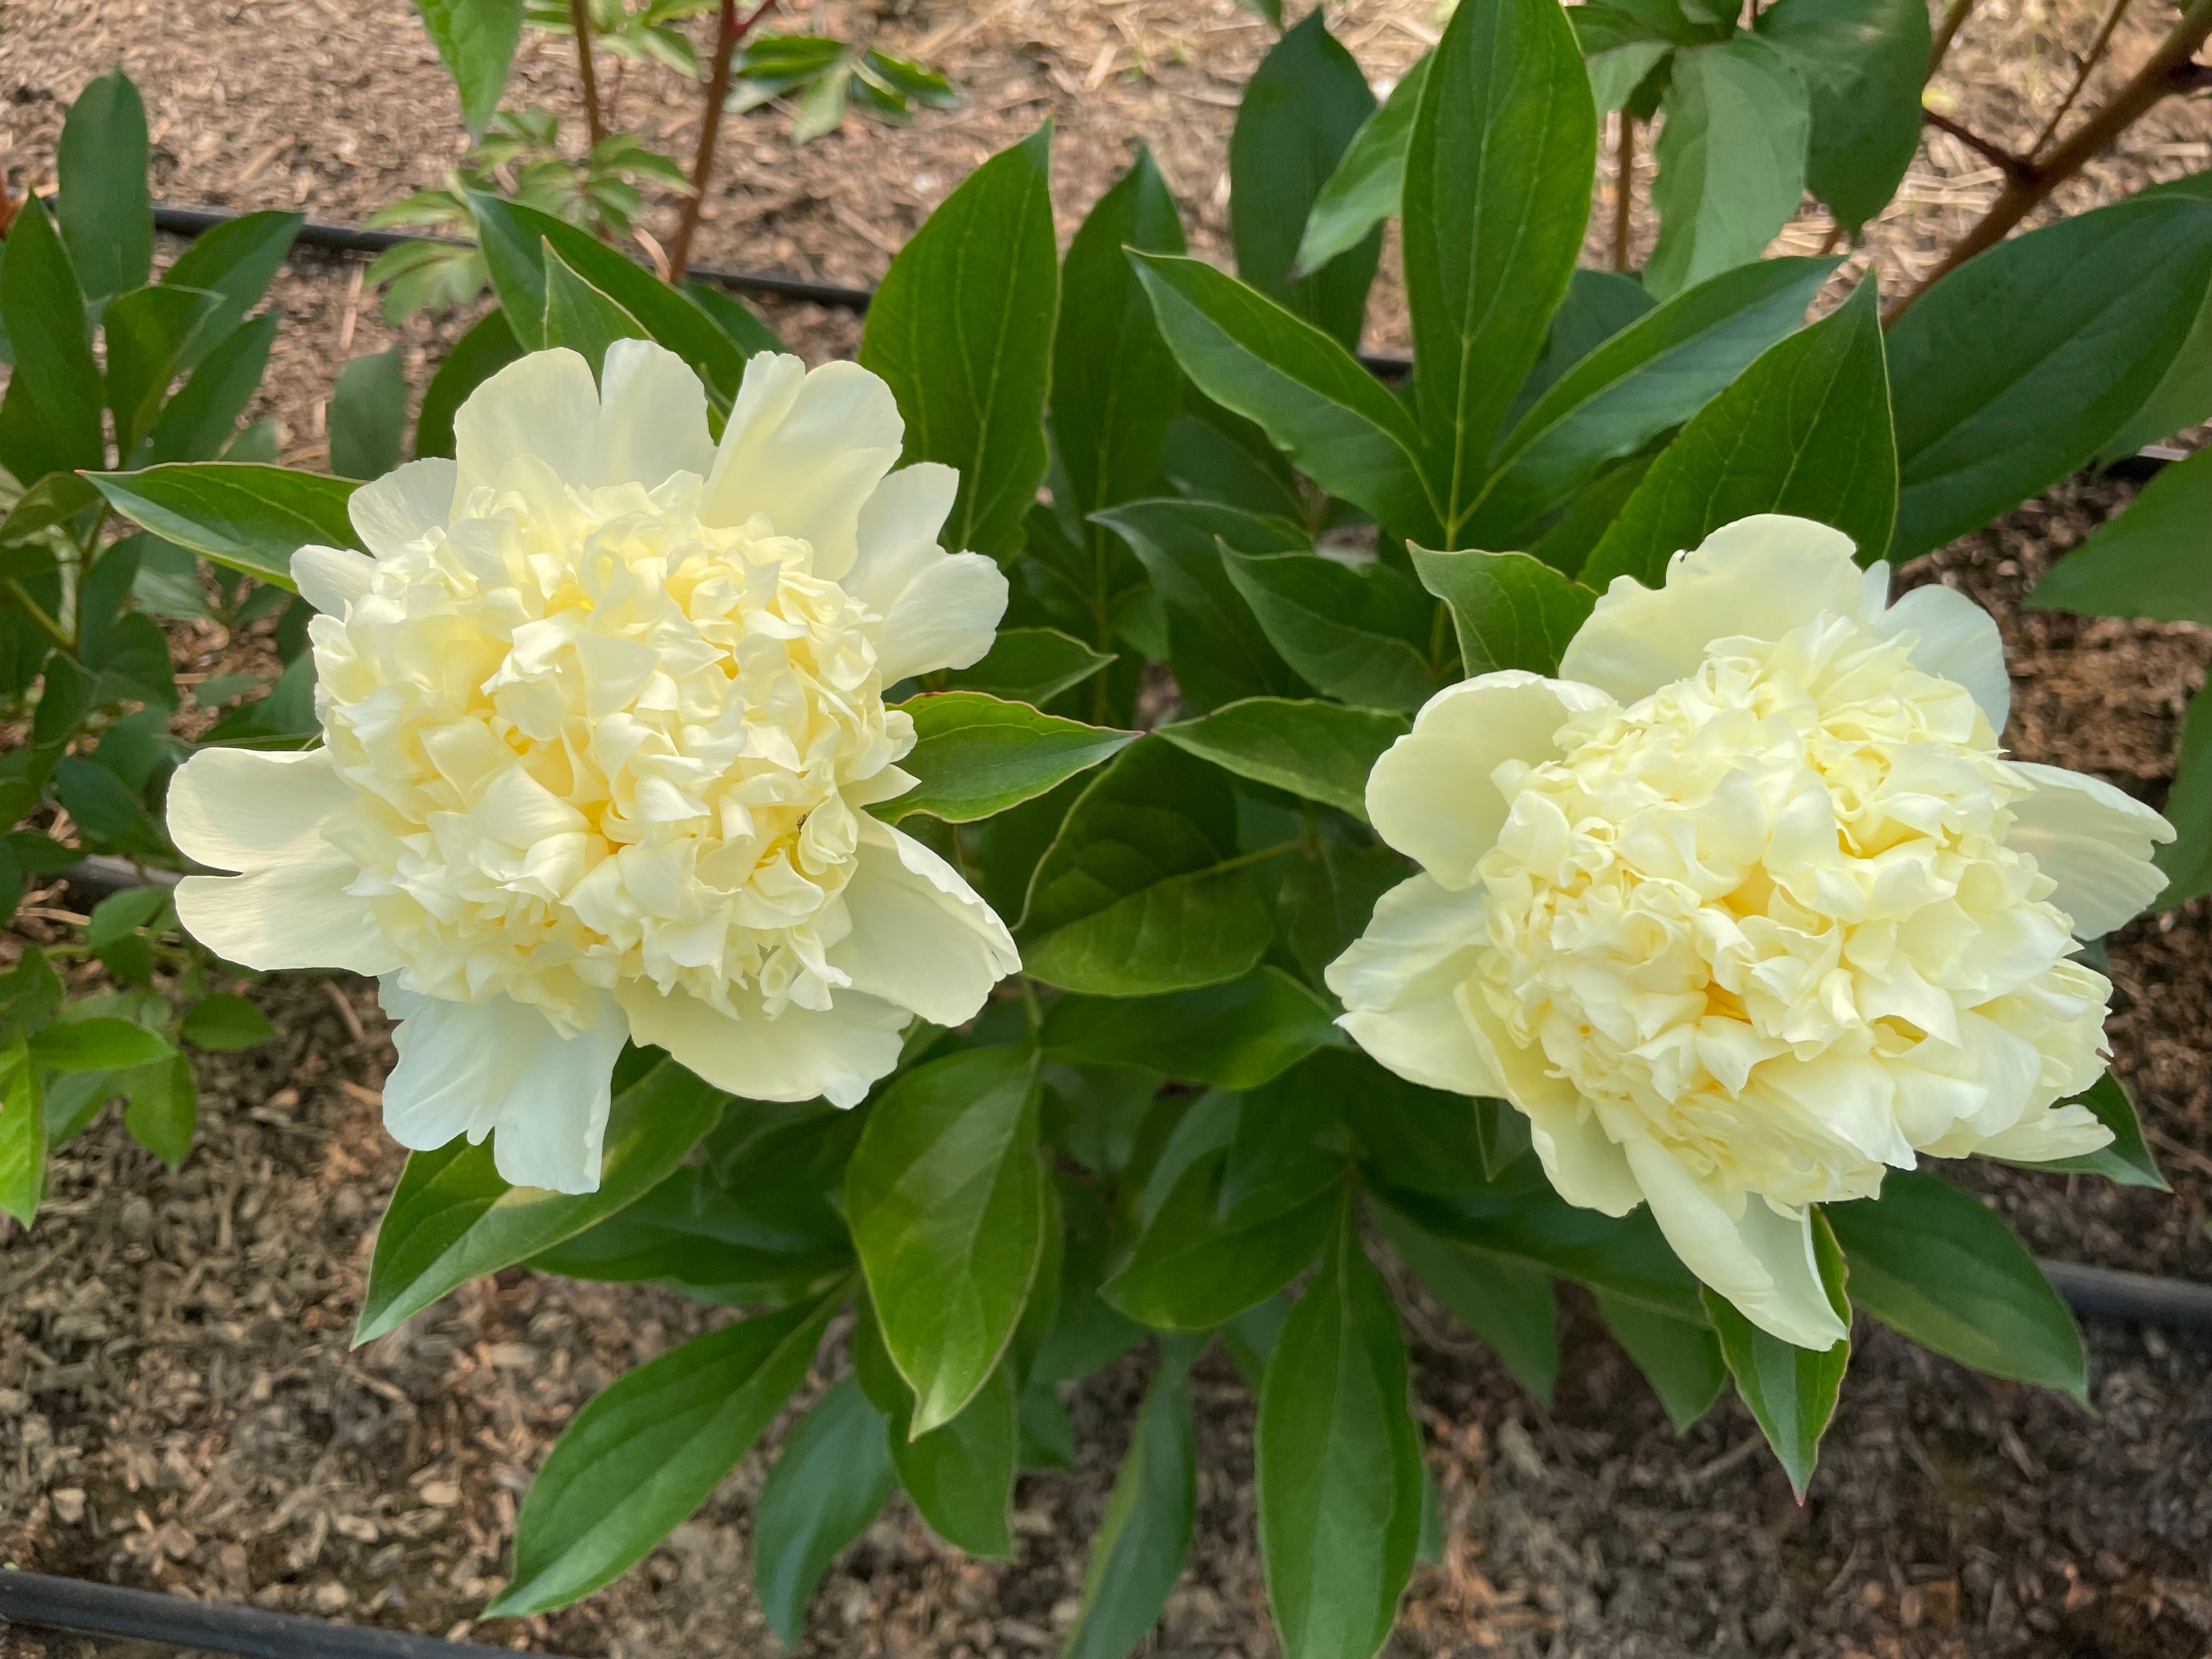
x: 1747, y: 905
x: 600, y: 718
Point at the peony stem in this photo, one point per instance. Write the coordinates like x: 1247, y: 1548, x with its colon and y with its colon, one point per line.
x: 1624, y: 189
x: 729, y: 30
x: 2166, y: 72
x: 580, y: 18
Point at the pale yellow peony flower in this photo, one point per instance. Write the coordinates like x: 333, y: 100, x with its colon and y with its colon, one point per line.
x: 1747, y: 905
x: 601, y: 716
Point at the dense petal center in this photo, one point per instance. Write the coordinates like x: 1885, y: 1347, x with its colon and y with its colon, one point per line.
x: 1766, y: 917
x: 592, y: 738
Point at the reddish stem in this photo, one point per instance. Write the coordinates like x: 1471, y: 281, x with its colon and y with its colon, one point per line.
x: 1624, y: 189
x: 580, y: 19
x: 729, y: 30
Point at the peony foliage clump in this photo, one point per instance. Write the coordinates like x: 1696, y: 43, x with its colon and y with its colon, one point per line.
x: 1111, y: 825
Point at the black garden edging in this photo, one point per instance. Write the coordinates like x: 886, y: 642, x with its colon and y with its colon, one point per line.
x: 81, y: 1607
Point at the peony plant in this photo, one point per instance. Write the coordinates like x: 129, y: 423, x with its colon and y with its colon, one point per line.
x: 1106, y: 826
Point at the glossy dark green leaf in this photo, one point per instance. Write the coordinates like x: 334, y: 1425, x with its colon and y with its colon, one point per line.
x: 1235, y: 1035
x: 2127, y: 1160
x: 1213, y: 455
x: 734, y: 318
x: 2186, y: 861
x: 1681, y: 1361
x: 56, y: 499
x: 22, y: 1136
x: 489, y: 346
x: 962, y: 328
x: 1310, y: 395
x: 1863, y: 63
x: 946, y: 1202
x: 2153, y: 560
x: 147, y: 331
x: 1029, y: 665
x: 579, y: 317
x: 977, y: 755
x: 1367, y: 637
x: 1804, y: 430
x: 1300, y: 110
x: 1115, y: 383
x: 2183, y: 398
x: 961, y: 1477
x: 1731, y: 157
x: 55, y: 384
x: 1510, y: 1308
x: 1142, y: 890
x: 477, y: 39
x: 452, y: 1218
x: 1942, y: 1268
x: 1216, y: 646
x: 238, y: 260
x: 1522, y: 1220
x: 1323, y: 751
x: 1364, y: 189
x: 1497, y: 194
x: 1791, y: 1390
x: 828, y: 1483
x: 196, y: 423
x: 1328, y: 897
x: 645, y: 1452
x: 744, y: 1250
x: 2010, y: 372
x: 1195, y: 1267
x: 248, y: 517
x: 1338, y: 1458
x: 106, y: 219
x: 1509, y: 610
x: 369, y: 416
x: 1048, y: 1437
x: 1137, y: 1551
x: 514, y: 239
x: 1651, y: 375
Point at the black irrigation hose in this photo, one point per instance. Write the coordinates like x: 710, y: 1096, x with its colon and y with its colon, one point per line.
x: 81, y: 1608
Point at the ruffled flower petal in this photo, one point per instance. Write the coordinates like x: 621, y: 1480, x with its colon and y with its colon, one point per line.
x: 331, y: 577
x: 392, y: 513
x: 807, y: 450
x: 1431, y: 795
x: 1760, y: 1260
x: 1422, y: 940
x: 1761, y: 577
x: 946, y: 617
x: 838, y: 1052
x: 2094, y: 841
x: 921, y: 936
x: 498, y: 1067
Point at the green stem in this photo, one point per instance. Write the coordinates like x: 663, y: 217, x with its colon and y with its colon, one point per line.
x: 37, y: 613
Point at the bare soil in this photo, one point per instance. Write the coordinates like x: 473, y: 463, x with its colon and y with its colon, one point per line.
x: 178, y: 1406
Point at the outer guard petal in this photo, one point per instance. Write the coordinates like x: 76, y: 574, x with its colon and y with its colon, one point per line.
x: 921, y: 936
x: 1430, y: 794
x: 796, y: 1056
x: 1760, y: 576
x: 2094, y: 841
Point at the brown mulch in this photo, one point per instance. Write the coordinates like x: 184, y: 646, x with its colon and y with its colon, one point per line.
x: 179, y: 1405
